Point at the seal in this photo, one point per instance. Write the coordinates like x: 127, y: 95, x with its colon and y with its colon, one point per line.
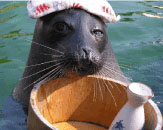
x: 71, y: 40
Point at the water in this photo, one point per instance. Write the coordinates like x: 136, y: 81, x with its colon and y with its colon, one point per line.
x: 137, y: 42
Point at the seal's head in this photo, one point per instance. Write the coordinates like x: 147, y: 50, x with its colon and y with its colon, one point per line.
x: 79, y: 38
x: 70, y: 40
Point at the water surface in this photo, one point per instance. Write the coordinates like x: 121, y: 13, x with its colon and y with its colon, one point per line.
x: 137, y: 41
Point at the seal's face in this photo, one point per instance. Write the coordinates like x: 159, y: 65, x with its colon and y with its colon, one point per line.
x: 70, y: 40
x: 79, y: 38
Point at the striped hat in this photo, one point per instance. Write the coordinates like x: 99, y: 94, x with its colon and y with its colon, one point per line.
x: 101, y: 8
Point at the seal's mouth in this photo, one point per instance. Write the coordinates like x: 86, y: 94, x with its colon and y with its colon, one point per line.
x: 83, y: 71
x: 82, y: 67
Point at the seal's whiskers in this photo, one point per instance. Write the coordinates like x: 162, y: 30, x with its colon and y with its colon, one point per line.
x: 94, y: 91
x: 73, y: 68
x: 57, y: 56
x: 45, y: 46
x: 107, y: 86
x: 94, y: 88
x: 56, y: 73
x: 44, y: 63
x: 108, y: 69
x: 76, y: 69
x: 119, y: 65
x: 45, y: 76
x: 61, y: 46
x: 39, y: 71
x: 117, y: 87
x: 113, y: 82
x: 100, y: 88
x: 102, y: 73
x: 61, y: 70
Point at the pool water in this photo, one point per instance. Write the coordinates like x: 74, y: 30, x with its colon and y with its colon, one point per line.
x: 137, y: 41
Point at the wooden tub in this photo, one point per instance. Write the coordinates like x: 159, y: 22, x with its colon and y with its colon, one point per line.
x: 82, y: 103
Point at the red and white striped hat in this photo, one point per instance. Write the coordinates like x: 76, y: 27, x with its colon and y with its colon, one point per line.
x: 101, y: 8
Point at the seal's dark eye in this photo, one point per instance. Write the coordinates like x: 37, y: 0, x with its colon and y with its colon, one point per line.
x: 61, y: 27
x: 98, y: 33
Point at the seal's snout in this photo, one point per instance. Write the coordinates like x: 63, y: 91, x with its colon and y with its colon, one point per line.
x: 86, y: 61
x: 87, y: 56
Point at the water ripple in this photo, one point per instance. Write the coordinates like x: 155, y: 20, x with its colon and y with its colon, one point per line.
x: 158, y: 7
x: 137, y: 12
x: 4, y: 60
x: 14, y: 33
x: 7, y: 19
x: 159, y: 41
x: 151, y: 15
x: 11, y: 7
x: 153, y: 6
x: 2, y: 46
x: 127, y: 19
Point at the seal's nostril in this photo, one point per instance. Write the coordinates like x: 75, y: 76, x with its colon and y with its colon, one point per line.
x: 86, y: 53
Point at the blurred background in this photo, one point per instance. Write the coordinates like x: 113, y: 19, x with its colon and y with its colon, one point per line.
x: 137, y: 41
